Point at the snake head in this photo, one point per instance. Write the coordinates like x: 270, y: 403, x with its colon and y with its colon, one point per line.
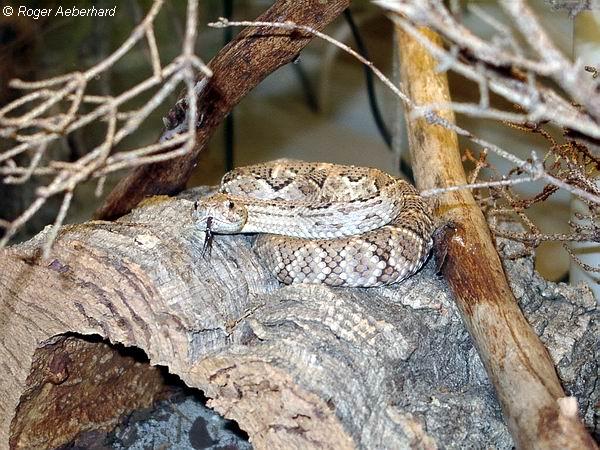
x: 220, y: 214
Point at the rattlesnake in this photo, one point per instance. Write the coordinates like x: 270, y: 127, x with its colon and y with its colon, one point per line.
x: 323, y: 223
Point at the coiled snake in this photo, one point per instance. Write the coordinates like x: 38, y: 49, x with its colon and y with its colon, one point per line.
x: 323, y: 223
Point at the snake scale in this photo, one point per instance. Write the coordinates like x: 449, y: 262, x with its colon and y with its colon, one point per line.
x: 323, y: 223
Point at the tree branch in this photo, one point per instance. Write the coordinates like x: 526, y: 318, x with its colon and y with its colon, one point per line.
x: 516, y: 361
x: 570, y: 76
x: 237, y: 68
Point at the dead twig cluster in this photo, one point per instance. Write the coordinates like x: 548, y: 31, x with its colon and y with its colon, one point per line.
x: 573, y: 163
x: 524, y: 72
x: 53, y: 109
x: 502, y: 66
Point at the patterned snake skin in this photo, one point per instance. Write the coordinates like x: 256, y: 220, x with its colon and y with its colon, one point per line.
x: 323, y: 223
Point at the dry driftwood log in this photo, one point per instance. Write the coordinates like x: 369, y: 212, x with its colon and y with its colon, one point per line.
x: 517, y: 363
x: 296, y: 366
x: 237, y: 69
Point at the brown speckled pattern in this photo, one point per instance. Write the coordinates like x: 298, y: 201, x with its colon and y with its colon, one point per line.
x: 347, y: 225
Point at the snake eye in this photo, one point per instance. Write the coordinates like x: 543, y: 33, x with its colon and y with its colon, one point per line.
x: 196, y: 205
x: 230, y: 205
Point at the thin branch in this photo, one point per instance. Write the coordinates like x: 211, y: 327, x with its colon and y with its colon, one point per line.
x: 39, y: 130
x: 223, y: 22
x: 60, y: 217
x: 569, y: 76
x: 483, y: 184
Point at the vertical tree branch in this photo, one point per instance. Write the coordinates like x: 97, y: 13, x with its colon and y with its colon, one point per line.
x: 517, y: 363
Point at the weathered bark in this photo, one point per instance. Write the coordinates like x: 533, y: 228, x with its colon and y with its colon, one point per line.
x: 516, y: 361
x: 237, y: 69
x: 296, y: 366
x: 77, y: 385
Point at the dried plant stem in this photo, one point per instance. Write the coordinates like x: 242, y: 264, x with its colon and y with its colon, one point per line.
x: 60, y: 218
x: 291, y: 26
x: 470, y: 186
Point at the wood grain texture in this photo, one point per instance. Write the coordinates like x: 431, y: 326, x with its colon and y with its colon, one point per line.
x: 237, y: 69
x: 296, y: 366
x: 517, y: 363
x: 76, y: 385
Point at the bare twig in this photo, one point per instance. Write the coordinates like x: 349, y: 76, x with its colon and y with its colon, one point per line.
x: 570, y: 76
x: 37, y: 127
x: 223, y: 22
x: 483, y: 184
x: 541, y: 103
x: 536, y: 171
